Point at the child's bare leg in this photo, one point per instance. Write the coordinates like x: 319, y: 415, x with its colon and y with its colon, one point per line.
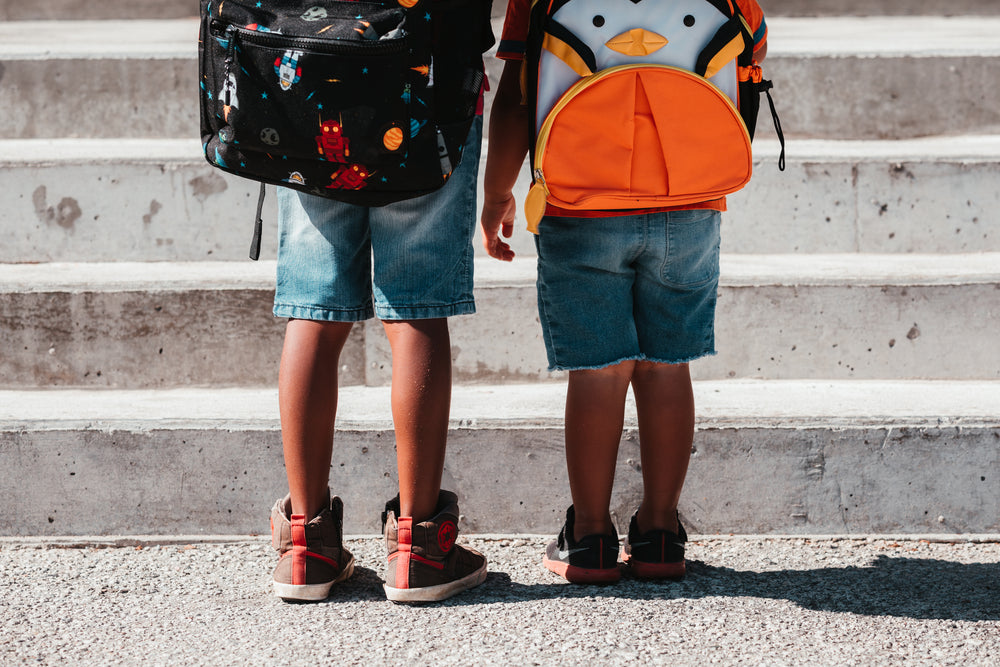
x: 665, y: 407
x: 307, y: 395
x: 595, y: 415
x: 421, y: 405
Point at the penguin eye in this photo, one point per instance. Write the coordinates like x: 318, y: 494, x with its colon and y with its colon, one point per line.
x: 689, y: 20
x: 598, y: 21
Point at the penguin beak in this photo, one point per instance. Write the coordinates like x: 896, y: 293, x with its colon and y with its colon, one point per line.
x: 637, y: 42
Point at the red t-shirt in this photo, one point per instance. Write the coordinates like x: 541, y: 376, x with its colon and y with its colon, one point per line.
x: 512, y: 46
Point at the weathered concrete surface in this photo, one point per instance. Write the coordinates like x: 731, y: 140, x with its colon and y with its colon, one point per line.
x: 881, y: 7
x: 152, y: 200
x: 19, y: 10
x: 928, y: 195
x: 879, y: 70
x: 769, y: 457
x: 899, y: 105
x: 166, y: 324
x: 124, y: 200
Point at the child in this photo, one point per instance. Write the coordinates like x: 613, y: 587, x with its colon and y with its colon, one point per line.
x: 409, y: 264
x: 627, y: 299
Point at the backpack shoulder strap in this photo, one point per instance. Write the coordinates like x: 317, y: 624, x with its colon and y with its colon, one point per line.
x: 726, y: 45
x: 569, y: 48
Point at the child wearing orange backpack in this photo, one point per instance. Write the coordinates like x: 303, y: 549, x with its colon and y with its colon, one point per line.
x: 625, y: 297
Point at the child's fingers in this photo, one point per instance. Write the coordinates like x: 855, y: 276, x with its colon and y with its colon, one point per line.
x: 499, y: 250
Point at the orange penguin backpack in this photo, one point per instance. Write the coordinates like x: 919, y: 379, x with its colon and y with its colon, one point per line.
x: 639, y: 104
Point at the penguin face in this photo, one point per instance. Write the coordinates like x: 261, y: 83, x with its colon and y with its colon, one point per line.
x: 619, y: 31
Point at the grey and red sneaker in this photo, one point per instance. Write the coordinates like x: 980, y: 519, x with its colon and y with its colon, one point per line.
x: 313, y: 557
x: 424, y: 562
x: 655, y: 554
x: 592, y: 560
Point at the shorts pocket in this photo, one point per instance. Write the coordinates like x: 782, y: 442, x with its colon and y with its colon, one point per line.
x: 692, y: 256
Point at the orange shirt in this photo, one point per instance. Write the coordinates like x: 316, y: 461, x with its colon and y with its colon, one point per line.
x: 512, y: 47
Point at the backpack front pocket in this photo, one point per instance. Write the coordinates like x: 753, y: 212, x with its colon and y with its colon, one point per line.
x: 288, y: 80
x: 343, y: 103
x: 641, y: 136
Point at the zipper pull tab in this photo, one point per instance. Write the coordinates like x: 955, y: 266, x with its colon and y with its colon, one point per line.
x: 535, y: 202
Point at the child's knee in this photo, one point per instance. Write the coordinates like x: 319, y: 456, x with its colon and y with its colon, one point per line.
x: 660, y: 372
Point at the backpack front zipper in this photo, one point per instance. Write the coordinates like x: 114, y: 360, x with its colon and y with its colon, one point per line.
x: 579, y: 86
x: 277, y: 40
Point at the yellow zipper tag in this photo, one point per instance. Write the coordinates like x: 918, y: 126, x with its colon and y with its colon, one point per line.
x: 534, y: 206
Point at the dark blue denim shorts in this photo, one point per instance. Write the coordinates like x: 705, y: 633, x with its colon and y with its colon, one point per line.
x: 628, y: 287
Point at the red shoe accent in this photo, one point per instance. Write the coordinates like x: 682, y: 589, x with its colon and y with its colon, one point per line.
x: 312, y: 554
x: 299, y: 550
x: 446, y: 535
x: 582, y: 575
x: 426, y: 561
x: 404, y: 545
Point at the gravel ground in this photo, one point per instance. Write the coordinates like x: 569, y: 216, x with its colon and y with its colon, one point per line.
x: 752, y: 600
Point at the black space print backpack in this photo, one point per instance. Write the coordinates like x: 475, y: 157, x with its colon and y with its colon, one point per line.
x: 363, y: 102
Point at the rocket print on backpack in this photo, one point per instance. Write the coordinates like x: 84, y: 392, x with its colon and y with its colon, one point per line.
x: 639, y: 103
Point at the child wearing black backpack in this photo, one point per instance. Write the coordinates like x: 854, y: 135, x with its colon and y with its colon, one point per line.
x: 373, y: 107
x: 626, y: 294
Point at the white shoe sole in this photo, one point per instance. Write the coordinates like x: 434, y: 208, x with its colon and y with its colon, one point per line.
x: 311, y: 592
x: 436, y: 593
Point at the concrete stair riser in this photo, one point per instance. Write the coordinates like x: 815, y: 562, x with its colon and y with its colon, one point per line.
x: 129, y: 210
x: 206, y: 330
x: 763, y: 474
x: 160, y: 201
x: 146, y: 88
x: 773, y: 456
x: 866, y: 98
x: 879, y: 198
x: 881, y: 8
x: 109, y: 97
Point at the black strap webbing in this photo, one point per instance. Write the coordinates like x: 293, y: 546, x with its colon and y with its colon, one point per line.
x: 258, y: 227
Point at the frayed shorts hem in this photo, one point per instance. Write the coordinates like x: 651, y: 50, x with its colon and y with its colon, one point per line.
x: 641, y: 357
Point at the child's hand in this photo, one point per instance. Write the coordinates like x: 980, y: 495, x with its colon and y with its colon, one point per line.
x: 498, y: 216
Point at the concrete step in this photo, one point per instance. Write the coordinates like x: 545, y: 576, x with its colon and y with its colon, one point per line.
x: 769, y: 457
x: 881, y: 8
x: 835, y: 77
x: 155, y: 200
x: 18, y: 10
x: 134, y: 325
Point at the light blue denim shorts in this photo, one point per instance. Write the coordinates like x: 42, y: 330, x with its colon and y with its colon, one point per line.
x: 408, y: 260
x: 628, y: 287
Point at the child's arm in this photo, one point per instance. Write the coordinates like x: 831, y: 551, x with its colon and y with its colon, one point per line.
x: 507, y: 145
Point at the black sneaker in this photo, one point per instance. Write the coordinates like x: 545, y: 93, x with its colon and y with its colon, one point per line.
x: 656, y: 554
x: 592, y: 560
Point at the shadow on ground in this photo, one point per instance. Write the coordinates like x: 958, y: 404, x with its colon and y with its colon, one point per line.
x: 901, y: 587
